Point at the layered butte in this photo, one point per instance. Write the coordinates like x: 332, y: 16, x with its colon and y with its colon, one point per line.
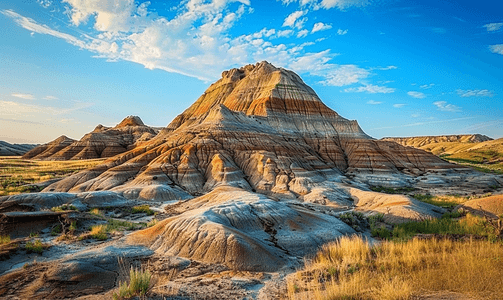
x: 261, y: 166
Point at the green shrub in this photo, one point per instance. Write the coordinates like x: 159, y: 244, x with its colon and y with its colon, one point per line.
x: 4, y: 239
x: 64, y: 207
x: 99, y: 232
x: 56, y: 230
x: 35, y: 246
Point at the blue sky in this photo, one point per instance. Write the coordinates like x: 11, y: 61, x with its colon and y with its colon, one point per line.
x: 401, y: 68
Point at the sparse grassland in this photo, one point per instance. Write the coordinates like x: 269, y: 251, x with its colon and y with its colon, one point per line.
x: 99, y: 232
x: 488, y: 160
x: 16, y: 173
x: 447, y: 201
x: 352, y: 269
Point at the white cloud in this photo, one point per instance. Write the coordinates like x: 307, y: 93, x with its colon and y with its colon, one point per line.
x: 284, y: 33
x: 44, y: 3
x: 295, y: 19
x: 372, y: 102
x: 302, y: 33
x: 345, y: 75
x: 475, y: 93
x: 417, y: 95
x: 415, y: 115
x: 498, y: 49
x: 444, y: 106
x: 398, y: 105
x: 344, y: 4
x: 341, y: 32
x: 320, y: 27
x: 50, y: 98
x: 371, y: 89
x: 386, y: 68
x: 23, y: 96
x: 426, y: 86
x: 493, y: 26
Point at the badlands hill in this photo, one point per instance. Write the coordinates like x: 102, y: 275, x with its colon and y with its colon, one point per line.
x: 7, y: 149
x: 441, y: 144
x: 102, y: 142
x: 253, y: 175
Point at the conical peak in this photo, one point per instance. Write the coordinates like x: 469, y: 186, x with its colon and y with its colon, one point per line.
x: 130, y: 121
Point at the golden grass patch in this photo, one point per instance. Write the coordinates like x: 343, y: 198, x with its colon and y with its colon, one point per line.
x: 352, y: 269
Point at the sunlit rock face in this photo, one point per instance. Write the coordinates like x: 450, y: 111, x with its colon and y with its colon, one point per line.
x: 259, y: 128
x: 262, y: 166
x: 102, y: 142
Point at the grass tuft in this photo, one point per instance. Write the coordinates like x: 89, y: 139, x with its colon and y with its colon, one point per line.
x: 64, y: 207
x: 142, y: 209
x: 139, y: 284
x: 99, y: 232
x: 35, y: 246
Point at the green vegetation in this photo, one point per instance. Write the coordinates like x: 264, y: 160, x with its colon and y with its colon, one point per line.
x: 142, y: 209
x: 152, y: 222
x: 99, y: 232
x: 4, y: 239
x: 488, y: 161
x: 35, y: 246
x: 56, y: 230
x: 388, y: 190
x: 97, y: 212
x: 453, y: 223
x: 33, y: 234
x: 139, y: 284
x: 17, y: 174
x: 115, y: 225
x: 64, y: 207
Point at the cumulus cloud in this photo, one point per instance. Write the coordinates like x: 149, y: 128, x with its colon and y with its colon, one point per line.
x: 341, y: 32
x: 444, y: 106
x: 295, y: 19
x: 474, y: 93
x: 23, y: 96
x: 302, y: 33
x: 417, y: 95
x: 320, y: 27
x: 493, y: 26
x: 498, y: 49
x: 371, y: 89
x: 195, y: 41
x: 372, y: 102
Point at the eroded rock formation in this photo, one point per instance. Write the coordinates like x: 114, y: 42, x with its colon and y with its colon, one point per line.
x: 261, y: 167
x: 100, y: 143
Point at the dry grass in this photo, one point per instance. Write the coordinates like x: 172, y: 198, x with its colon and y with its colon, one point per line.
x: 99, y: 232
x: 16, y: 172
x: 352, y: 269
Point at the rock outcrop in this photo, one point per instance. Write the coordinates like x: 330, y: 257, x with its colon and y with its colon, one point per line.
x: 259, y: 167
x: 7, y: 149
x: 102, y: 142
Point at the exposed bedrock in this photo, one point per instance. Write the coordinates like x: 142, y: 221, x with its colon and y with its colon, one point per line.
x: 260, y: 165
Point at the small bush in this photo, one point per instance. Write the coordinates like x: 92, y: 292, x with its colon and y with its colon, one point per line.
x: 4, y: 239
x: 142, y: 209
x: 35, y: 246
x: 64, y: 207
x: 56, y: 230
x: 73, y: 226
x: 139, y: 283
x: 33, y: 234
x: 99, y: 232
